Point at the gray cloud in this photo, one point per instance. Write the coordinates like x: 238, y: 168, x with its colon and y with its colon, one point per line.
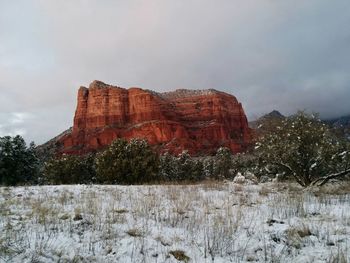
x: 271, y: 54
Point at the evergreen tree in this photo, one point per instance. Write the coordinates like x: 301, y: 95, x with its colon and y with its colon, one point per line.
x: 223, y: 163
x: 70, y: 169
x: 197, y: 172
x: 18, y: 163
x: 180, y: 168
x: 167, y: 167
x: 184, y: 166
x: 127, y: 163
x: 208, y: 167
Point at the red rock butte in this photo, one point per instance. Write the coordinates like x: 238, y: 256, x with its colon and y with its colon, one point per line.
x: 199, y: 121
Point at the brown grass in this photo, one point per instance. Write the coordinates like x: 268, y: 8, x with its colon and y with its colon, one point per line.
x: 180, y: 255
x: 134, y: 232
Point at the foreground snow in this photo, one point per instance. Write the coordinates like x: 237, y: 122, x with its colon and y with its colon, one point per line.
x: 212, y: 222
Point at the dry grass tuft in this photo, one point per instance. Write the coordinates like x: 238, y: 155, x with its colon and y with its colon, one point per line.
x: 134, y: 232
x: 64, y: 217
x: 180, y: 255
x: 121, y: 211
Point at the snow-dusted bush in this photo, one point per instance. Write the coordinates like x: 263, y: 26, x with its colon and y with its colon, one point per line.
x: 125, y: 162
x: 188, y: 168
x: 180, y: 168
x: 305, y: 149
x: 69, y: 169
x: 167, y: 167
x: 223, y: 163
x: 208, y: 167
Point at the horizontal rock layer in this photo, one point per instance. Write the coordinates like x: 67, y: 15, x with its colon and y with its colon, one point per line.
x: 199, y: 121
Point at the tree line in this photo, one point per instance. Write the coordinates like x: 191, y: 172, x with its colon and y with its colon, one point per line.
x: 300, y: 148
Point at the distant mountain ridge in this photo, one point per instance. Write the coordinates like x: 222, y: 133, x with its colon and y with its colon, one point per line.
x: 341, y: 124
x: 343, y: 121
x: 275, y: 114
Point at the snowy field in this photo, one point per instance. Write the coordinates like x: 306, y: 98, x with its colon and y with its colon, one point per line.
x: 209, y: 222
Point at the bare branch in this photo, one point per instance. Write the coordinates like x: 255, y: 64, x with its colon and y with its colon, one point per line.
x: 325, y: 179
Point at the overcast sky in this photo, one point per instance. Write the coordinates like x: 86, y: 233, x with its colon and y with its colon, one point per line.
x: 270, y: 54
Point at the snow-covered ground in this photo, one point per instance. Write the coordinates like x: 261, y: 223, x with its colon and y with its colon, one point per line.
x: 210, y: 222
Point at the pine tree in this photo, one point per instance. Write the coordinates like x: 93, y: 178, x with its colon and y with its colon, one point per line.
x: 184, y: 166
x: 181, y: 168
x: 208, y: 167
x: 18, y: 163
x: 167, y: 167
x: 70, y: 169
x: 127, y: 163
x: 223, y: 163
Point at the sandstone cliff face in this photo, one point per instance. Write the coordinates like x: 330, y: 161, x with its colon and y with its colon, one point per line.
x: 198, y: 121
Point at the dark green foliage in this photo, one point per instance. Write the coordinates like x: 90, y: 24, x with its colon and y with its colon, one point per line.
x: 127, y: 163
x: 223, y: 163
x: 69, y: 169
x: 188, y: 168
x: 208, y: 167
x: 304, y: 148
x: 180, y: 168
x: 245, y: 163
x: 18, y: 163
x: 167, y: 167
x: 197, y: 171
x: 183, y: 165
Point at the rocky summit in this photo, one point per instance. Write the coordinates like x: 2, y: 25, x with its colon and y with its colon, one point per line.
x: 199, y: 121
